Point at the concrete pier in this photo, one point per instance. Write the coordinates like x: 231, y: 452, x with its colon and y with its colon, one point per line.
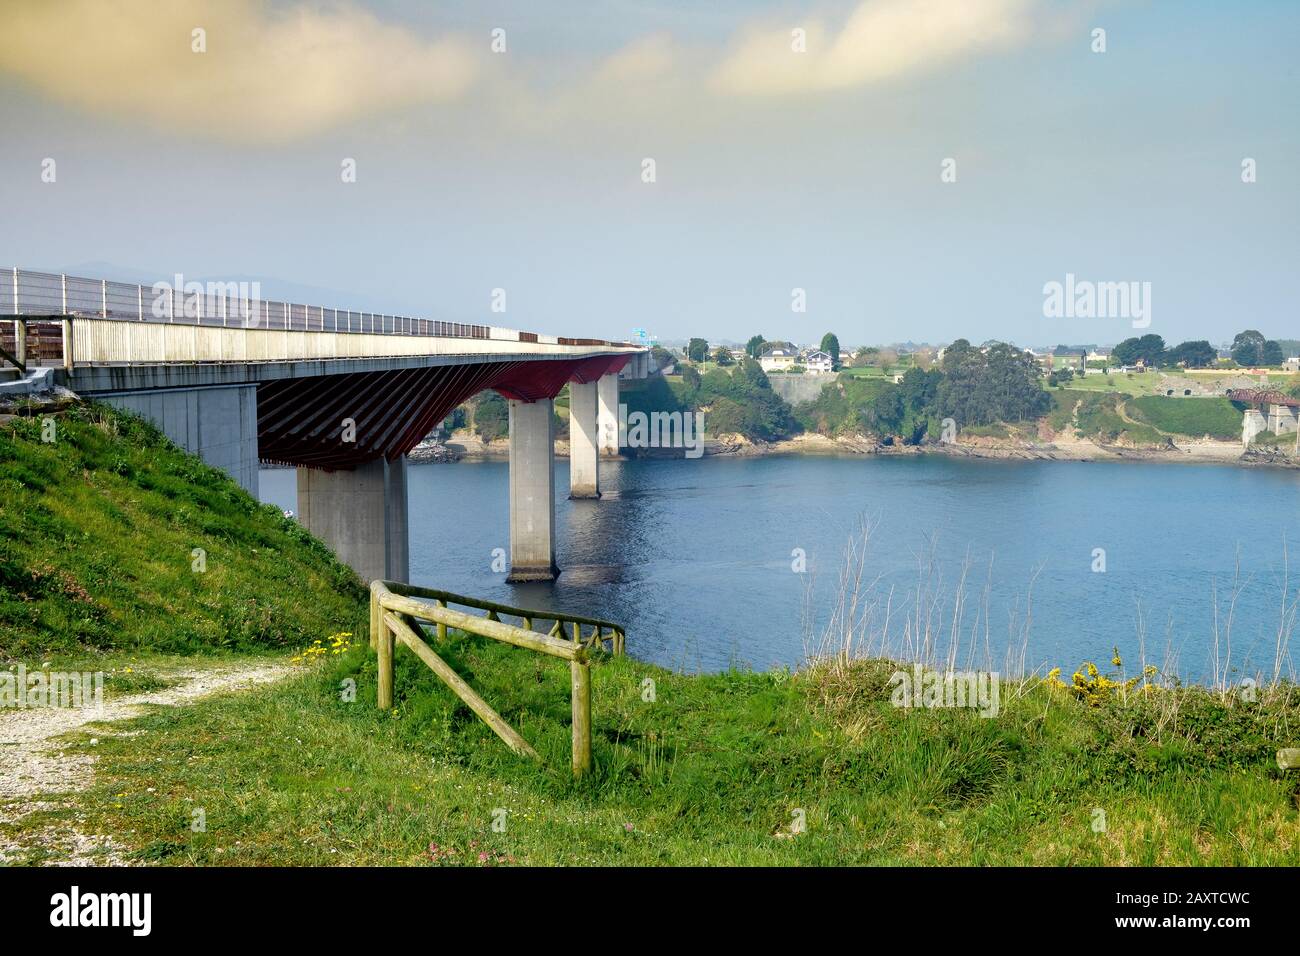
x: 607, y: 422
x: 532, y: 491
x: 362, y: 515
x: 219, y: 423
x: 584, y: 455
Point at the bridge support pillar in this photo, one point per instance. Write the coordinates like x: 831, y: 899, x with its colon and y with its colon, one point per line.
x: 584, y: 456
x: 362, y: 515
x: 532, y: 491
x: 217, y: 423
x: 607, y: 398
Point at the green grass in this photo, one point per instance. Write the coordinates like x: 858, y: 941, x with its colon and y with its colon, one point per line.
x: 707, y: 769
x: 1062, y: 412
x: 1100, y: 418
x: 97, y: 550
x: 713, y: 770
x: 1195, y: 417
x: 1130, y: 383
x: 994, y: 430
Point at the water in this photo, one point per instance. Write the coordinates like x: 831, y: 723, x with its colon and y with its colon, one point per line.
x: 695, y: 557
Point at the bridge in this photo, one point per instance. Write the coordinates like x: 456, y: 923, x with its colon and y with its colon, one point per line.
x: 1271, y: 410
x: 340, y: 395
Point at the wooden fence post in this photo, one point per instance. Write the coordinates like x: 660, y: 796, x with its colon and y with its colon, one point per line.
x: 385, y: 667
x: 580, y: 672
x: 376, y: 618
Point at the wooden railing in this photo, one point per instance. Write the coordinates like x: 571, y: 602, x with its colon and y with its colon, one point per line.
x: 399, y: 611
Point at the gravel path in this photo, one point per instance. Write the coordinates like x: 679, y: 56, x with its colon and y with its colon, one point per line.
x: 36, y: 775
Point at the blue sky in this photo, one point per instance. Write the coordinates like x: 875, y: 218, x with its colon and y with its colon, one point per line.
x: 774, y: 170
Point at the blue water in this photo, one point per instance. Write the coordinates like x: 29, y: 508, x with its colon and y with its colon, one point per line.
x: 697, y: 558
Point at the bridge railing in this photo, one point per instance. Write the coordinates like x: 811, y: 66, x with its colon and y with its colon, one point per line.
x: 398, y: 612
x: 24, y: 292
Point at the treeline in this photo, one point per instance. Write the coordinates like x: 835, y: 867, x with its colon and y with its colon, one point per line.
x: 972, y: 386
x: 1249, y: 348
x: 739, y: 402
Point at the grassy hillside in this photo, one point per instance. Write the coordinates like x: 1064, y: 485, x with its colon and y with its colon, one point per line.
x: 98, y: 531
x: 1194, y: 417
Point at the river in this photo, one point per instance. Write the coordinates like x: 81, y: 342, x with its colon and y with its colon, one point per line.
x: 722, y: 562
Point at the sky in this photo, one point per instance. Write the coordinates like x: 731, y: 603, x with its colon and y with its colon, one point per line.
x: 803, y: 151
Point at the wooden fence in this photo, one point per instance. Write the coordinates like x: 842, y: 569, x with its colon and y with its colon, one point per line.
x: 398, y: 613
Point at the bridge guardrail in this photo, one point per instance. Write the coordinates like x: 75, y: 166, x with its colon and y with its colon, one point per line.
x: 25, y: 292
x: 396, y: 613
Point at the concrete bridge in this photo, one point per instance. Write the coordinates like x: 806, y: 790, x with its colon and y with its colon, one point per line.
x: 342, y: 396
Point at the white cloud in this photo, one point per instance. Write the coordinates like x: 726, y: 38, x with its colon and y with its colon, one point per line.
x: 881, y: 39
x: 268, y: 73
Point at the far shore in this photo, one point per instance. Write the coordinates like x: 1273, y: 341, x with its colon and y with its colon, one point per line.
x: 466, y: 447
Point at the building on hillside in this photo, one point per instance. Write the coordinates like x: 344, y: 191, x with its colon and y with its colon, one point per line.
x: 779, y: 359
x: 819, y: 362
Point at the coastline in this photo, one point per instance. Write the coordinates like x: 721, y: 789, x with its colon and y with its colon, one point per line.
x: 469, y: 448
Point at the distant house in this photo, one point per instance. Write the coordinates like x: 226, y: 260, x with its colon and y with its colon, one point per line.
x: 819, y: 361
x: 778, y: 359
x: 1292, y: 364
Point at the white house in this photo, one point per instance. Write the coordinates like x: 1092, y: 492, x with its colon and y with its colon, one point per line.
x: 778, y: 360
x: 819, y: 361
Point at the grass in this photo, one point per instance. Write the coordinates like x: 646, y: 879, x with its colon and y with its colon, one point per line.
x: 1100, y: 417
x: 98, y: 539
x: 815, y: 767
x: 1130, y: 383
x: 715, y: 769
x: 1195, y: 417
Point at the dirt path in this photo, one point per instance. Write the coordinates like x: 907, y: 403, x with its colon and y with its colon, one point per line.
x: 35, y: 775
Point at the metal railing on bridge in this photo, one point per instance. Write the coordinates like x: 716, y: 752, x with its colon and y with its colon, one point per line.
x: 219, y: 304
x: 38, y: 312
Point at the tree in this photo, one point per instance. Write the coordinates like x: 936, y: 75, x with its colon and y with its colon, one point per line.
x: 831, y: 346
x: 864, y: 356
x: 983, y: 387
x: 1149, y: 350
x: 754, y: 347
x: 1193, y: 354
x: 754, y: 375
x: 722, y: 355
x: 920, y: 388
x: 697, y: 350
x: 1248, y: 347
x: 690, y: 376
x: 1272, y: 354
x: 491, y: 416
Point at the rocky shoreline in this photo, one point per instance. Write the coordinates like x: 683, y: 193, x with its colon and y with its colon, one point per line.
x: 461, y: 447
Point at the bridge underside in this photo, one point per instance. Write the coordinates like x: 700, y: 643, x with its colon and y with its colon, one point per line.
x: 342, y: 421
x: 348, y: 434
